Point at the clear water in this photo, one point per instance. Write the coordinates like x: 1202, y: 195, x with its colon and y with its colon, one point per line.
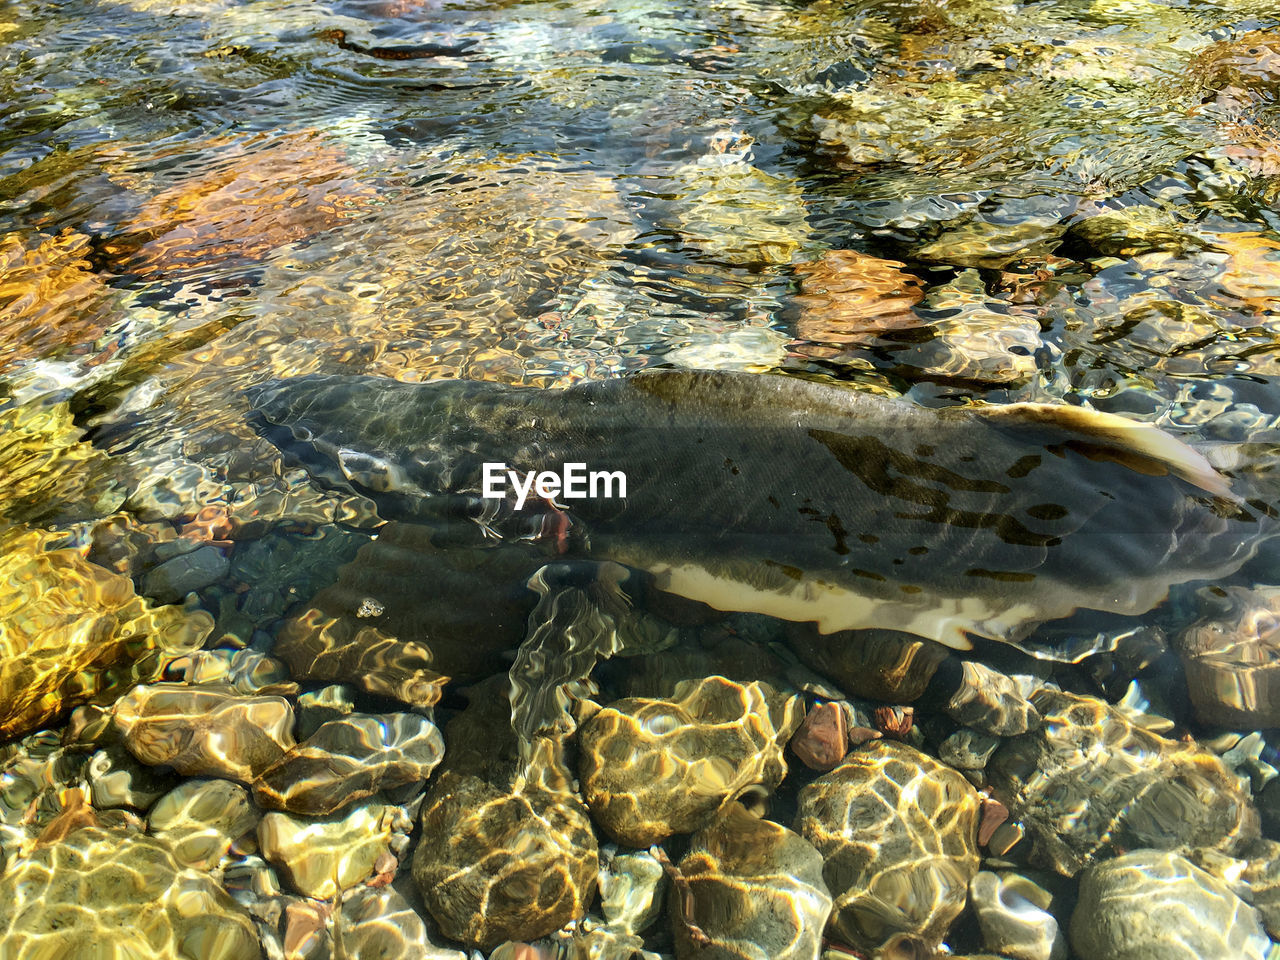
x: 1079, y: 200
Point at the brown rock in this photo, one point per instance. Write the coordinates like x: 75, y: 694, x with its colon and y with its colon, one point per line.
x: 1088, y: 783
x: 1232, y: 658
x: 81, y: 630
x: 823, y: 737
x: 349, y: 759
x: 994, y: 813
x: 206, y: 731
x: 851, y: 297
x: 651, y: 768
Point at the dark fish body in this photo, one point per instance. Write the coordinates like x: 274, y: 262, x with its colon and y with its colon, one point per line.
x: 801, y: 500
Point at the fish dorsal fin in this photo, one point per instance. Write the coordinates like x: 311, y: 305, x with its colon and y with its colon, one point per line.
x: 1142, y: 447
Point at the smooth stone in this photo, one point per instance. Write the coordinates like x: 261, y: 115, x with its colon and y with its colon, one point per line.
x: 823, y: 737
x: 305, y: 935
x: 898, y: 832
x: 116, y: 779
x: 349, y: 759
x: 968, y: 749
x: 744, y: 348
x: 1129, y: 232
x: 1156, y: 905
x: 1232, y: 658
x: 200, y: 819
x: 175, y: 578
x: 752, y: 888
x: 630, y: 889
x: 737, y: 213
x: 1261, y: 875
x: 318, y: 858
x: 505, y: 859
x: 654, y: 767
x: 1089, y: 783
x: 991, y: 702
x: 108, y: 893
x: 318, y: 707
x: 461, y: 607
x: 493, y: 865
x: 377, y: 922
x: 83, y: 633
x: 247, y: 671
x: 1014, y: 915
x: 205, y: 731
x: 252, y: 881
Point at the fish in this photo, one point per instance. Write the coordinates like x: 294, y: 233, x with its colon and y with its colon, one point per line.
x: 807, y: 501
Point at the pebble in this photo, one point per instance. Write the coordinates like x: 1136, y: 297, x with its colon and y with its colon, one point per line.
x: 116, y: 779
x: 994, y: 815
x: 749, y: 888
x: 1014, y: 914
x: 897, y: 830
x: 823, y: 737
x: 630, y: 888
x: 200, y: 819
x: 968, y: 749
x: 175, y: 578
x: 506, y: 861
x: 1089, y: 783
x: 1232, y: 658
x: 80, y: 627
x: 320, y: 706
x: 318, y: 857
x: 379, y: 923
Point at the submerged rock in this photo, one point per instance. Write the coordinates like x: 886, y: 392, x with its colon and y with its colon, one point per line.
x: 117, y: 779
x: 52, y: 301
x: 174, y: 579
x: 1014, y: 914
x: 318, y: 707
x: 82, y: 630
x: 349, y: 759
x: 205, y: 731
x: 847, y: 297
x: 896, y: 667
x: 651, y: 768
x: 1154, y: 905
x: 1088, y: 784
x: 201, y: 819
x: 1131, y: 231
x: 322, y: 857
x: 898, y: 834
x: 738, y: 213
x: 630, y: 887
x: 975, y: 336
x: 511, y: 860
x: 823, y: 738
x: 1232, y: 658
x: 379, y: 923
x: 1247, y: 63
x: 265, y: 192
x: 408, y: 614
x: 749, y: 888
x: 99, y: 892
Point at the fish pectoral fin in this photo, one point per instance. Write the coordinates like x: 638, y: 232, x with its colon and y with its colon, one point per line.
x: 1142, y: 447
